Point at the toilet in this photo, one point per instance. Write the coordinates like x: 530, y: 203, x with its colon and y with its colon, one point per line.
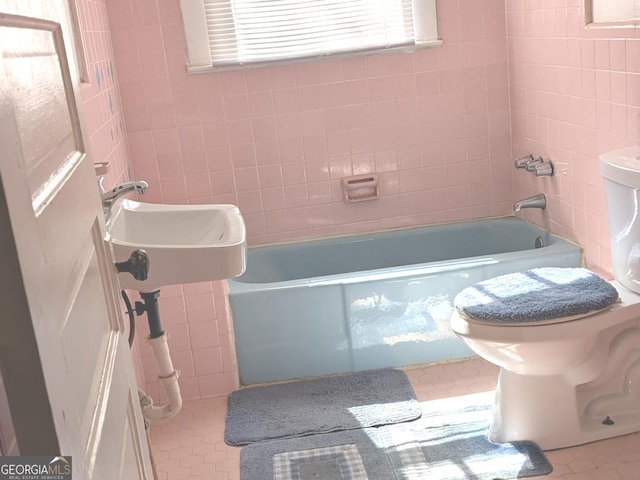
x: 574, y: 378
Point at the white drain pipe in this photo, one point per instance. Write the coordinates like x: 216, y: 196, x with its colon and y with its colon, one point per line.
x: 168, y: 377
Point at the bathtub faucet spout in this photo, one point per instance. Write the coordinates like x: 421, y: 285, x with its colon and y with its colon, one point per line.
x: 536, y: 201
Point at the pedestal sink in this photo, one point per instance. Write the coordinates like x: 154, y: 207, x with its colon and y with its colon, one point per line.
x: 184, y: 243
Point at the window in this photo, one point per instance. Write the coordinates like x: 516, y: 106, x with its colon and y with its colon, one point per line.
x: 608, y: 11
x: 81, y: 54
x: 223, y: 33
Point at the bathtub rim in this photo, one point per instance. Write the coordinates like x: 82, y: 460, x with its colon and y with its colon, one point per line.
x: 560, y: 246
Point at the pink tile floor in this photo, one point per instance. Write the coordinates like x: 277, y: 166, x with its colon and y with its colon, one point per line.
x: 191, y: 446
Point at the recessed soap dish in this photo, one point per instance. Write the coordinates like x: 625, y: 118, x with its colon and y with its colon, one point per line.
x: 360, y: 188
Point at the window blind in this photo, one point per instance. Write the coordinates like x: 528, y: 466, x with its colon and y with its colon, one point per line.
x: 616, y: 11
x: 239, y: 32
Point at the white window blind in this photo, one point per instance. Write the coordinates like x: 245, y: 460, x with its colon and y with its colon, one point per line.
x: 238, y: 32
x: 615, y: 10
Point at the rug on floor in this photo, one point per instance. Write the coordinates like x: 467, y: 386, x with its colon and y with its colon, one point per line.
x: 322, y: 405
x: 449, y: 445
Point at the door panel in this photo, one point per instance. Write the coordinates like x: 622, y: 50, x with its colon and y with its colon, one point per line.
x: 66, y: 266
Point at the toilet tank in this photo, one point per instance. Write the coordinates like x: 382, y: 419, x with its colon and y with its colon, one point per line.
x: 621, y: 172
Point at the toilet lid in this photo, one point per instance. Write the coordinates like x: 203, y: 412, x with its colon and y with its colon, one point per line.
x: 537, y: 296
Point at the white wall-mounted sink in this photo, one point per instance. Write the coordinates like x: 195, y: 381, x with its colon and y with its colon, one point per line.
x: 184, y: 243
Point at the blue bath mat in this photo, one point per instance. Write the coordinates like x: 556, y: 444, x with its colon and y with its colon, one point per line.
x: 328, y: 404
x: 453, y: 445
x: 442, y: 445
x: 541, y: 295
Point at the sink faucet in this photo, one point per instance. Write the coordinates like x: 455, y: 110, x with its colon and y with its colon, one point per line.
x: 109, y: 197
x: 536, y: 201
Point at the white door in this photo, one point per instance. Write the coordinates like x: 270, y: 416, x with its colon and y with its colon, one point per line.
x: 64, y: 357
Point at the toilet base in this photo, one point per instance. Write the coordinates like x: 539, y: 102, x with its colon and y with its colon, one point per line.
x: 543, y: 409
x: 539, y: 408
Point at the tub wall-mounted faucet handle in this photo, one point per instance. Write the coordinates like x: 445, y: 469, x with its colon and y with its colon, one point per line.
x: 539, y: 165
x: 523, y: 161
x: 531, y: 164
x: 544, y: 169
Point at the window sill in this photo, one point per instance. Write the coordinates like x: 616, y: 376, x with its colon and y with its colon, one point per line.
x: 200, y: 69
x: 628, y: 29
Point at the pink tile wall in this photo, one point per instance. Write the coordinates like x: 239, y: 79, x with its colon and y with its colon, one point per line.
x: 276, y: 141
x: 575, y: 93
x: 434, y: 124
x: 101, y: 105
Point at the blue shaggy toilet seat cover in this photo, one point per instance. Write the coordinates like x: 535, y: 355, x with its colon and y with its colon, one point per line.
x: 537, y: 296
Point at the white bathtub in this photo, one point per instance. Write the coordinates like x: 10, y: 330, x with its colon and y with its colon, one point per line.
x: 372, y: 301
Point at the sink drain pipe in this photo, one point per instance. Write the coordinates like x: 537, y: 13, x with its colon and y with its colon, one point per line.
x: 167, y: 375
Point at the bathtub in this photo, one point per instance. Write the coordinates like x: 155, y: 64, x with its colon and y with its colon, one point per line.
x: 372, y: 301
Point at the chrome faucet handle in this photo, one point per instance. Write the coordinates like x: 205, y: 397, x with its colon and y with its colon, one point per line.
x: 523, y: 161
x: 109, y: 197
x: 531, y: 164
x: 544, y: 169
